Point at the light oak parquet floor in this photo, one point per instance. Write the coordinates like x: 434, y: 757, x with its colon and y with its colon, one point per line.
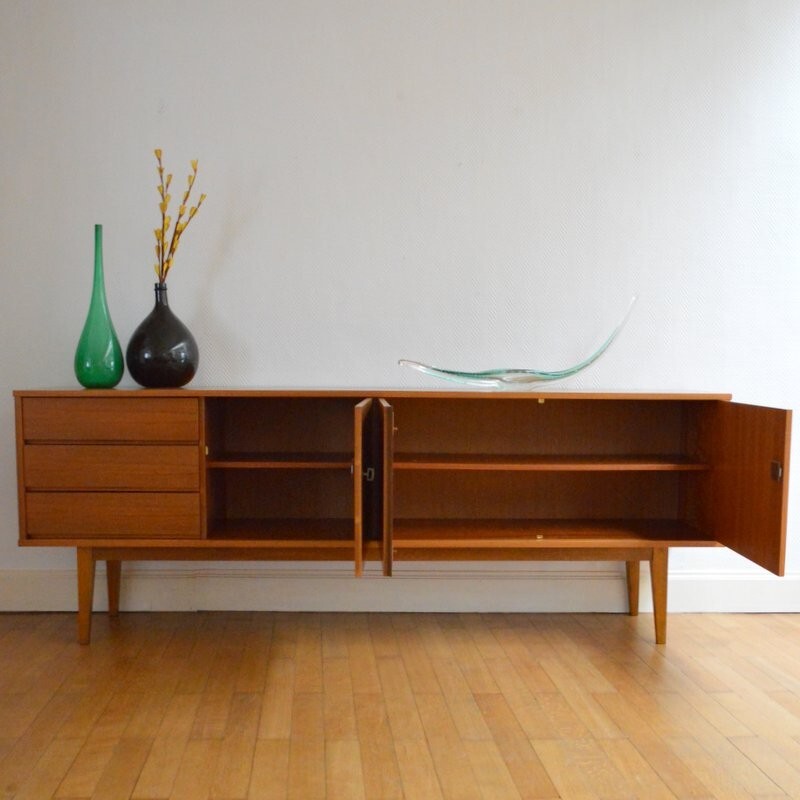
x: 417, y: 706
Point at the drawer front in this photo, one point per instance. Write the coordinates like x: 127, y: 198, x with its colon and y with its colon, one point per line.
x: 124, y: 419
x: 112, y: 515
x: 112, y: 466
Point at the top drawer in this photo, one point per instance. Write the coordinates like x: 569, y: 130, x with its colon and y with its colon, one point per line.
x: 124, y: 419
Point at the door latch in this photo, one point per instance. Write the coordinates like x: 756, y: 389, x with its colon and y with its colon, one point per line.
x: 776, y: 470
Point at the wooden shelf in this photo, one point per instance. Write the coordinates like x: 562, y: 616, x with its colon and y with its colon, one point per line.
x: 342, y: 461
x: 547, y: 463
x: 299, y: 533
x: 543, y: 533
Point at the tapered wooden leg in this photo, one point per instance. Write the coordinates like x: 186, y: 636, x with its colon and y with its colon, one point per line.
x: 85, y: 593
x: 113, y: 574
x: 658, y: 578
x: 632, y: 575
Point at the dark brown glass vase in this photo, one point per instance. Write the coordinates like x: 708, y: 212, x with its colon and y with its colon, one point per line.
x: 162, y: 352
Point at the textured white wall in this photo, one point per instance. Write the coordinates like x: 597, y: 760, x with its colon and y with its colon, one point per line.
x: 475, y: 184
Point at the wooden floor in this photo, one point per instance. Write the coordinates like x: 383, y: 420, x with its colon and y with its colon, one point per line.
x: 418, y: 706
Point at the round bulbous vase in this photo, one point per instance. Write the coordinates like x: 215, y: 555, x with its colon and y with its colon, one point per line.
x: 162, y: 353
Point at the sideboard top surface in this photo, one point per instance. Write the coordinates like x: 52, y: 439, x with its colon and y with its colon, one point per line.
x: 449, y: 394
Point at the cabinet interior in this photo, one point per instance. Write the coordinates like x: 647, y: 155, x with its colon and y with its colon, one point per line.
x: 280, y: 468
x: 531, y: 470
x: 286, y: 428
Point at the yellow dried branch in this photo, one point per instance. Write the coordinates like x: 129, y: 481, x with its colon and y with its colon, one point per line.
x: 165, y: 252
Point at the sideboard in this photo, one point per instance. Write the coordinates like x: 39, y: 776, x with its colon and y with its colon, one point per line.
x: 386, y: 476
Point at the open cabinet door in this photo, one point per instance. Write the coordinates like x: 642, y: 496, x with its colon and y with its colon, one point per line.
x: 750, y: 480
x: 359, y: 432
x: 387, y: 454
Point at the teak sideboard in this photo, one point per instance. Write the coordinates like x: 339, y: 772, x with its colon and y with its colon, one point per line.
x: 347, y: 475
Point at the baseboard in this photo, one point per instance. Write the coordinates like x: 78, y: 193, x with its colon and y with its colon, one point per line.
x: 541, y: 587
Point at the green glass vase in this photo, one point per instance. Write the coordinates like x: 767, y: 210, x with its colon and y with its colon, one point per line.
x: 98, y: 358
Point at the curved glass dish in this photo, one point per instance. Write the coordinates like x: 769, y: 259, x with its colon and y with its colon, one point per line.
x: 509, y: 378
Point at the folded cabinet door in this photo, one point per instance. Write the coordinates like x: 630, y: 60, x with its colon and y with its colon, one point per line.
x: 387, y: 454
x: 750, y: 479
x: 360, y: 433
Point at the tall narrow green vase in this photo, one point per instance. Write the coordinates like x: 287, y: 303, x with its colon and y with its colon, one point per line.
x: 98, y: 358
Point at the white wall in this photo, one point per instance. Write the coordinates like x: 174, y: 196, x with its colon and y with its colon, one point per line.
x: 475, y: 183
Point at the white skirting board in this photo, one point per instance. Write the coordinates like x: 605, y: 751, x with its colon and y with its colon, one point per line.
x: 418, y: 587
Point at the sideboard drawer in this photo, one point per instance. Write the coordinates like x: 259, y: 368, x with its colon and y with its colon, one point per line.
x: 166, y: 468
x: 138, y: 515
x: 124, y: 419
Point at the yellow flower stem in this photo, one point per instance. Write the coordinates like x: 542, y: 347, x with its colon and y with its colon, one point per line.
x: 163, y: 253
x: 176, y: 233
x: 160, y: 271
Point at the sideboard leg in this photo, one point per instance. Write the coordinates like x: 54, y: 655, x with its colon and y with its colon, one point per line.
x: 113, y: 576
x: 85, y: 593
x: 658, y: 578
x: 632, y: 575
